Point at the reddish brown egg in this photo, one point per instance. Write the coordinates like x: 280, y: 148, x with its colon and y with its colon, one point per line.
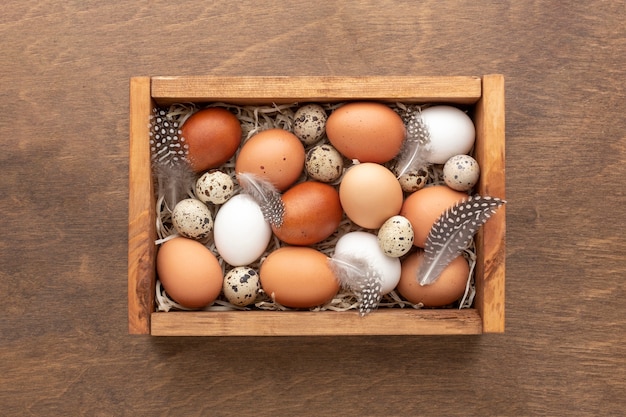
x: 425, y: 206
x: 274, y: 154
x: 367, y: 131
x: 447, y: 289
x: 298, y: 277
x: 213, y: 136
x: 312, y: 213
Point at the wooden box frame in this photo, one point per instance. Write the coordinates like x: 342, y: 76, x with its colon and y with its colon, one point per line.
x: 486, y: 96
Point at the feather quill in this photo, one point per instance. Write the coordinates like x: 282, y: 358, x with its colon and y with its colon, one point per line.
x: 265, y: 194
x: 452, y: 233
x: 356, y: 275
x: 414, y: 153
x: 174, y: 176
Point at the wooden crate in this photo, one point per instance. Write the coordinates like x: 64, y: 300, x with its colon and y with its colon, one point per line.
x: 486, y: 96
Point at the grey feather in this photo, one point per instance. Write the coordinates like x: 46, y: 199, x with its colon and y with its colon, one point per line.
x: 452, y: 233
x: 355, y: 274
x: 266, y: 196
x: 414, y: 153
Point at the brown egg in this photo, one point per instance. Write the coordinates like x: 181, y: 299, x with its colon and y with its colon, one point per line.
x: 274, y: 154
x: 370, y: 194
x: 298, y: 277
x: 425, y: 206
x: 189, y: 272
x: 448, y: 288
x: 213, y: 136
x: 367, y: 131
x: 312, y: 213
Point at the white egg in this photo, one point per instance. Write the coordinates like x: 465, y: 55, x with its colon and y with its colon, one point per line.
x: 395, y: 236
x: 192, y: 218
x: 451, y: 131
x: 461, y: 172
x: 241, y: 233
x: 364, y: 245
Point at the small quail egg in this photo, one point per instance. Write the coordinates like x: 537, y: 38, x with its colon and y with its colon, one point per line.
x: 241, y: 286
x: 461, y: 172
x: 309, y: 123
x: 413, y: 180
x: 324, y: 163
x: 214, y: 187
x: 192, y: 219
x: 395, y: 236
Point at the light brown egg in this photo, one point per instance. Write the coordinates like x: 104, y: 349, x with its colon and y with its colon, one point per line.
x: 213, y: 136
x: 425, y: 206
x: 370, y: 194
x: 367, y: 131
x: 448, y: 288
x: 274, y: 154
x: 298, y: 277
x: 189, y: 272
x: 312, y: 213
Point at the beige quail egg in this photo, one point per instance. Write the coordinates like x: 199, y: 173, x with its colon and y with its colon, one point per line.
x: 241, y: 286
x: 214, y: 187
x: 413, y: 180
x: 309, y: 123
x: 192, y: 218
x: 461, y: 172
x: 395, y: 236
x: 324, y: 163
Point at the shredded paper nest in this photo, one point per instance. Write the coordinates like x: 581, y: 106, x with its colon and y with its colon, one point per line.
x: 255, y: 119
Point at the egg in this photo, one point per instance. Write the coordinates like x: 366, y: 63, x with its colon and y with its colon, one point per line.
x: 312, y: 213
x: 366, y: 131
x: 189, y: 272
x: 274, y: 154
x: 213, y: 136
x: 309, y: 123
x: 395, y: 236
x: 370, y: 194
x: 413, y: 180
x: 424, y: 207
x: 461, y: 172
x: 241, y: 233
x: 364, y: 245
x: 298, y: 277
x: 192, y: 218
x: 214, y: 187
x: 448, y: 288
x: 324, y: 163
x: 241, y: 286
x: 451, y: 132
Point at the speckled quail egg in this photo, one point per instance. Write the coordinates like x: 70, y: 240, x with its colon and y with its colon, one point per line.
x: 395, y: 236
x: 214, y: 187
x: 413, y: 180
x: 241, y: 286
x: 324, y: 163
x: 192, y: 218
x: 309, y: 123
x: 461, y: 172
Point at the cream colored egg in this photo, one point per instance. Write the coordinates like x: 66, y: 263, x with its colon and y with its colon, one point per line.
x: 241, y: 286
x: 192, y: 218
x: 324, y: 163
x: 461, y: 172
x: 214, y: 187
x: 395, y: 236
x: 309, y: 123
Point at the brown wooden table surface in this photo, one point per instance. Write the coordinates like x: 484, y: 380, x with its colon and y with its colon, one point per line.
x: 64, y: 347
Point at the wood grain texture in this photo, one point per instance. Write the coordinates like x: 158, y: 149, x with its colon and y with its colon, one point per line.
x: 64, y: 343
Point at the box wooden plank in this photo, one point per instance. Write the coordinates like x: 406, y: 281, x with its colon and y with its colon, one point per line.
x: 255, y: 90
x: 308, y: 323
x: 487, y: 93
x: 489, y: 152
